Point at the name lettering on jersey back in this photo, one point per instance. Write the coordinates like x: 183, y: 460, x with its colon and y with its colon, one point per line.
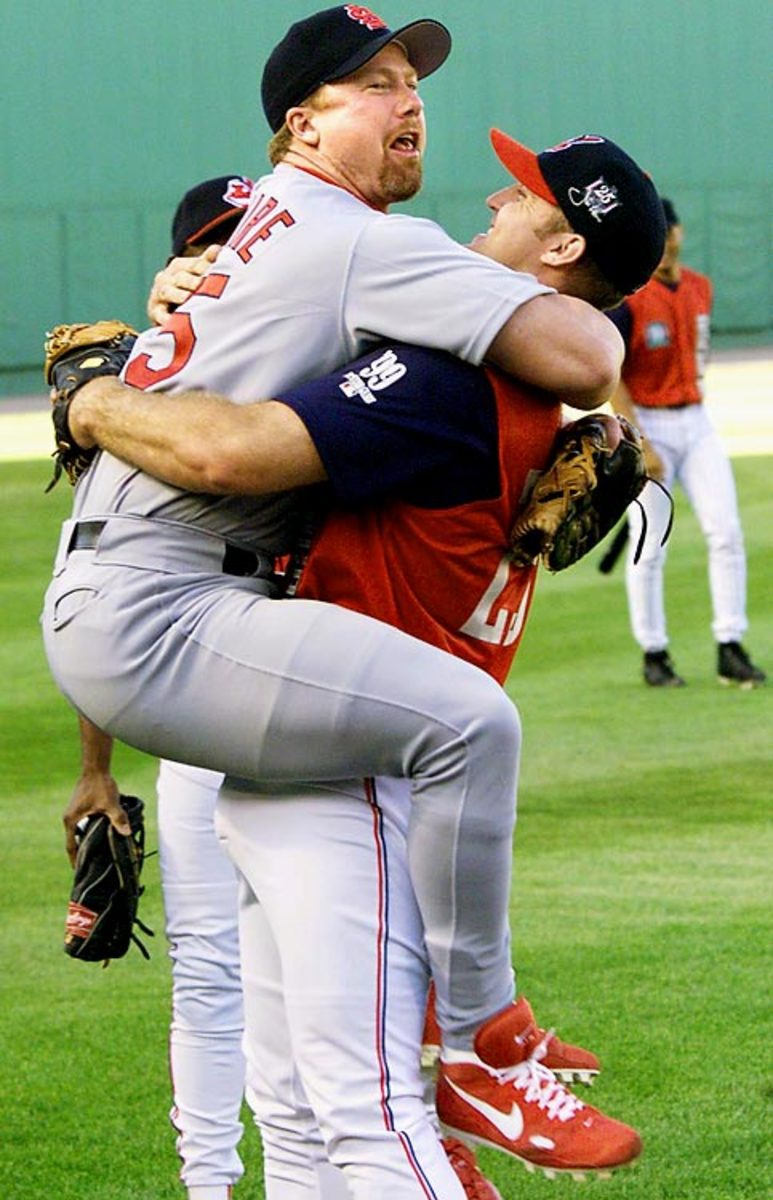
x: 260, y: 225
x: 379, y: 374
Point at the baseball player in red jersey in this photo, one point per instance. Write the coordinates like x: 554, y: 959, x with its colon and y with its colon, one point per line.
x: 419, y: 571
x: 560, y: 169
x: 666, y: 328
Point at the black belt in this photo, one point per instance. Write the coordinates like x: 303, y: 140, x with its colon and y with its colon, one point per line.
x: 236, y: 561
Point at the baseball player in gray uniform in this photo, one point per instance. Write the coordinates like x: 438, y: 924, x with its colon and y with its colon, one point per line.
x: 267, y: 853
x: 195, y: 572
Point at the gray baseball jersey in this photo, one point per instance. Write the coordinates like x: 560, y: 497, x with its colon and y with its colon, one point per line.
x: 311, y: 277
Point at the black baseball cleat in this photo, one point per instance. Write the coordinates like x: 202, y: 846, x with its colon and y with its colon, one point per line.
x: 659, y: 670
x: 735, y: 666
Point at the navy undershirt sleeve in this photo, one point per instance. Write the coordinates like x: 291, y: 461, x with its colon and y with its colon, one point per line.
x: 403, y: 422
x: 621, y: 317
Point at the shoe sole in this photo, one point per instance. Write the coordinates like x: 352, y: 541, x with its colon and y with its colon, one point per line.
x: 744, y: 685
x: 575, y: 1075
x: 579, y: 1174
x: 430, y: 1058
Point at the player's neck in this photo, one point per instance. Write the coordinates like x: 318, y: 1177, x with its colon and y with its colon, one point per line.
x: 327, y: 171
x: 670, y: 274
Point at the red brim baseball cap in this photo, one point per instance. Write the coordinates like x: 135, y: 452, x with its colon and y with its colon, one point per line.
x: 604, y: 195
x: 522, y: 163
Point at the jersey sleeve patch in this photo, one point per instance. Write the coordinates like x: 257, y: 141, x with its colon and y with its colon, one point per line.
x: 403, y: 422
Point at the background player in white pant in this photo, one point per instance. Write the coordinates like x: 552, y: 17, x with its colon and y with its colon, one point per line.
x: 558, y: 167
x: 198, y: 881
x: 666, y: 328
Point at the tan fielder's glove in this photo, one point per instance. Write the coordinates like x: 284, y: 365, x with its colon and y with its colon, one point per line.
x: 73, y: 355
x: 597, y: 470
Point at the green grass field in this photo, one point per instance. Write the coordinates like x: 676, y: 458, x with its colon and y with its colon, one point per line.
x: 641, y: 905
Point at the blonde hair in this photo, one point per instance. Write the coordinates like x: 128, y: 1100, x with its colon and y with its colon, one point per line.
x: 280, y: 144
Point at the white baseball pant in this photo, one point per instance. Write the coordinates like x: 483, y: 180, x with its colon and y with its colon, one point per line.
x: 200, y: 891
x: 335, y: 981
x: 693, y: 456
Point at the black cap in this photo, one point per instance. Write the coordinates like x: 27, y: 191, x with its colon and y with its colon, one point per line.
x: 214, y: 206
x: 335, y: 42
x: 603, y: 194
x: 672, y: 217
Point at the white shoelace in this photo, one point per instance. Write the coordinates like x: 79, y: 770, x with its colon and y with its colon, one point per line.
x: 540, y: 1086
x: 541, y: 1049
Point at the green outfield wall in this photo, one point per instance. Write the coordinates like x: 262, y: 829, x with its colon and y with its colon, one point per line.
x: 111, y: 110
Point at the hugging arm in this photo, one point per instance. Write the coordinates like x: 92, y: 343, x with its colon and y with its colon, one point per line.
x: 198, y: 440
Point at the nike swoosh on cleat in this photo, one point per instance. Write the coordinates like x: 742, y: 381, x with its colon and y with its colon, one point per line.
x: 510, y: 1125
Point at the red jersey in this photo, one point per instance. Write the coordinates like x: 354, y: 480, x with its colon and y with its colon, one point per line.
x: 669, y: 342
x: 443, y: 574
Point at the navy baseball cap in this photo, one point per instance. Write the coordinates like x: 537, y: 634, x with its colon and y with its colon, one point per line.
x: 210, y: 211
x: 604, y: 195
x: 335, y: 42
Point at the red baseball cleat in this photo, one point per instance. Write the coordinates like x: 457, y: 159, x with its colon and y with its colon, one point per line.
x: 572, y: 1064
x: 502, y: 1096
x: 472, y: 1179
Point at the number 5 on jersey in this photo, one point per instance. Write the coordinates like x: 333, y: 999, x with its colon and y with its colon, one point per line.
x: 141, y: 374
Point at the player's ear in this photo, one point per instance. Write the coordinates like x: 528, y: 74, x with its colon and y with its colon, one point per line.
x: 300, y: 122
x: 563, y: 249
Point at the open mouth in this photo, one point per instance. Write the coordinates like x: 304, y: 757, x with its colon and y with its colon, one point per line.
x: 406, y: 143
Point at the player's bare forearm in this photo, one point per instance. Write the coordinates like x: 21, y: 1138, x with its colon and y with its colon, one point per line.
x: 564, y: 346
x: 198, y: 440
x: 96, y: 748
x: 95, y: 789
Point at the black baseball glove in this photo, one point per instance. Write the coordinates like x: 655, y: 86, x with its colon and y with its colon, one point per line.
x: 75, y: 354
x: 106, y: 889
x: 597, y: 470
